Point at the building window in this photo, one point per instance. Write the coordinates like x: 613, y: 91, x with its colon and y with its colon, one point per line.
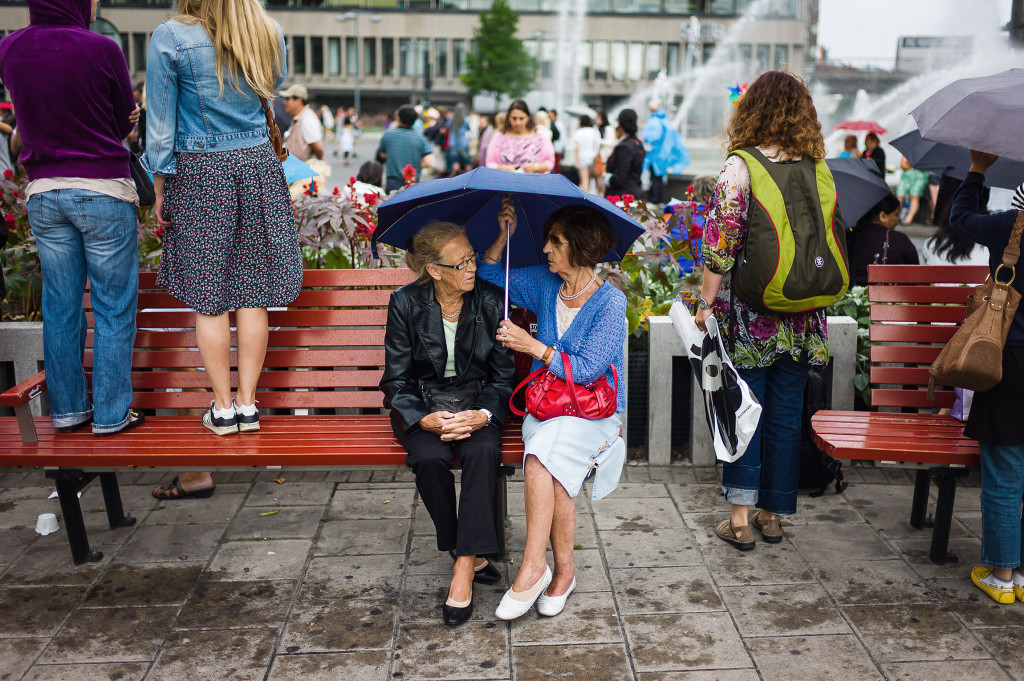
x: 650, y: 7
x: 299, y: 55
x: 351, y: 56
x: 441, y: 58
x: 781, y: 56
x: 406, y: 62
x: 139, y: 48
x: 653, y: 60
x: 680, y: 6
x: 547, y: 58
x: 583, y: 59
x: 722, y: 7
x: 458, y: 57
x: 618, y: 60
x: 526, y: 5
x: 601, y: 59
x: 746, y: 55
x: 387, y: 56
x: 599, y: 6
x: 672, y: 53
x: 636, y: 61
x: 763, y: 58
x: 334, y: 56
x: 625, y: 6
x: 707, y: 50
x: 316, y: 54
x: 369, y: 56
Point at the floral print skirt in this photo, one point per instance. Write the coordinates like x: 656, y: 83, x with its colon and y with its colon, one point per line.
x: 232, y: 242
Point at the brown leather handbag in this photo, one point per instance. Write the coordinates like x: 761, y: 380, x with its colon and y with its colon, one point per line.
x: 973, y: 357
x: 275, y: 133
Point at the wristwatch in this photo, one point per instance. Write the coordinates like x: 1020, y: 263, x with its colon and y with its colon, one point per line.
x: 703, y: 304
x: 488, y: 414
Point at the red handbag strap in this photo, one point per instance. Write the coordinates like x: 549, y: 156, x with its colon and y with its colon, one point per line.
x: 516, y: 410
x: 572, y: 386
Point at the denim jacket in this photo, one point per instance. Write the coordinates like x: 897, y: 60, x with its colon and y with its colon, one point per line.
x: 185, y: 110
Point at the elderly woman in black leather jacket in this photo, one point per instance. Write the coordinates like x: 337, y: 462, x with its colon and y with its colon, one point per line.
x: 447, y: 383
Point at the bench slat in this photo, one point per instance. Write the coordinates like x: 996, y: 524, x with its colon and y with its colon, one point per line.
x: 888, y: 397
x: 913, y: 334
x: 927, y: 274
x: 912, y: 354
x: 951, y: 314
x: 949, y: 295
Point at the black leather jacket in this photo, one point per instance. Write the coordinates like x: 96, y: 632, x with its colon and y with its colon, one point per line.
x: 415, y: 351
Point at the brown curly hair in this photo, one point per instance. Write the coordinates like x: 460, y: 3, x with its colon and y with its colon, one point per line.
x: 777, y: 110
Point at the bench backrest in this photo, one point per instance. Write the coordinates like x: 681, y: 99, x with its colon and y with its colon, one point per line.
x: 915, y: 310
x: 326, y: 350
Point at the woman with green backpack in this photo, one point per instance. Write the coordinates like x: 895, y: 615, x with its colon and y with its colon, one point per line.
x: 774, y: 258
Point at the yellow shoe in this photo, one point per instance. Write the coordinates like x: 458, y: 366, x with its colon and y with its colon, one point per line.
x: 987, y: 582
x: 1018, y: 584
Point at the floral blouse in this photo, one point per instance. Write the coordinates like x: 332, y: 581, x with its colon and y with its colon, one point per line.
x: 760, y: 338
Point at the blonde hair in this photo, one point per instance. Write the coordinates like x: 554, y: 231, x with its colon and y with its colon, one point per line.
x: 244, y: 38
x: 425, y: 247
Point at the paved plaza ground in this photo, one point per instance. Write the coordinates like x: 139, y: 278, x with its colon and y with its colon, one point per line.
x: 345, y: 582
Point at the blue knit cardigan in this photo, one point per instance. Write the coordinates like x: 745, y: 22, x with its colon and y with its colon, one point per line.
x: 595, y: 338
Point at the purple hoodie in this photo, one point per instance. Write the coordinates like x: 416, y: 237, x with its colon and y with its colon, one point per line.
x: 71, y: 91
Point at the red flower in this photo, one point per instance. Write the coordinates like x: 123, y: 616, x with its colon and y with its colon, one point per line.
x: 8, y: 174
x: 614, y: 199
x: 370, y: 198
x: 159, y: 233
x: 17, y: 194
x: 336, y: 192
x: 10, y: 220
x: 696, y: 232
x: 628, y: 199
x: 408, y: 172
x: 351, y: 180
x: 690, y: 189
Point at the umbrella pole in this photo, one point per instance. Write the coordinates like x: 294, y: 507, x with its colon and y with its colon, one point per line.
x: 508, y: 252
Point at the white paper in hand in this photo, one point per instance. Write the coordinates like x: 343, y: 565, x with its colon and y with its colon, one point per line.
x: 731, y: 409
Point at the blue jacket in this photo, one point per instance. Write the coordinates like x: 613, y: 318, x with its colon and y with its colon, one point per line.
x: 595, y: 338
x: 665, y: 149
x: 186, y: 111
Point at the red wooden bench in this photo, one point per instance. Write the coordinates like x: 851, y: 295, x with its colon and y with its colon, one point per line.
x: 324, y: 361
x: 915, y: 309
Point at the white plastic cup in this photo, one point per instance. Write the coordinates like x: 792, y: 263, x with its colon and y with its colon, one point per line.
x: 46, y: 523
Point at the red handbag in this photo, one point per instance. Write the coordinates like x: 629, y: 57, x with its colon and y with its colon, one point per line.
x: 548, y: 396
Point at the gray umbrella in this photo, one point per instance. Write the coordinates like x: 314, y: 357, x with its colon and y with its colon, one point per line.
x: 977, y: 113
x: 945, y: 159
x: 859, y: 186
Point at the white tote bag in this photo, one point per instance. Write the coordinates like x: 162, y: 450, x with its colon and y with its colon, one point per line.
x: 731, y: 409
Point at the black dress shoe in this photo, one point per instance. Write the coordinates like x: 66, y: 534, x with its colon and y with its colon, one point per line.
x: 488, y: 574
x: 453, y: 617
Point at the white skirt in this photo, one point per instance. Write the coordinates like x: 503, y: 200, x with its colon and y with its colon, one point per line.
x: 572, y: 449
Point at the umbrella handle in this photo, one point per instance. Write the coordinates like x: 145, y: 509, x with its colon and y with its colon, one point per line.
x: 508, y: 251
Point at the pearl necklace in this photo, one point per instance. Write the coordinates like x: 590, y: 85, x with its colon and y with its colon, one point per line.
x: 453, y: 317
x: 581, y: 291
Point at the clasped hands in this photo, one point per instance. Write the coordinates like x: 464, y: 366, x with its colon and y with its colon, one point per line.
x: 451, y: 427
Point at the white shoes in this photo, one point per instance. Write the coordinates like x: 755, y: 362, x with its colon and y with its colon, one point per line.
x: 549, y: 606
x: 512, y: 607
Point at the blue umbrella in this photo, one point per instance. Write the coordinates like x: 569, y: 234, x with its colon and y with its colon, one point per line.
x: 474, y: 199
x: 859, y: 186
x: 295, y: 170
x: 946, y: 159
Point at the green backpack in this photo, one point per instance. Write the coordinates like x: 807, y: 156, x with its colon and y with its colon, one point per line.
x: 794, y: 257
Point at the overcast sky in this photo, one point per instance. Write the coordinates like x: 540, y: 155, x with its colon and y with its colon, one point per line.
x: 866, y: 31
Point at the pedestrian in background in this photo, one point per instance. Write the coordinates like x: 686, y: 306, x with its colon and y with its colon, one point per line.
x: 74, y: 96
x: 402, y: 146
x: 521, y: 145
x: 305, y: 136
x: 625, y: 165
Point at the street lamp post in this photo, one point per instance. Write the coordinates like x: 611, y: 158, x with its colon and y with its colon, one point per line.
x: 354, y: 18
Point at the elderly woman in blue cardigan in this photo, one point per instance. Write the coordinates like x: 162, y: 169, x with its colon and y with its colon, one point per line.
x: 584, y: 317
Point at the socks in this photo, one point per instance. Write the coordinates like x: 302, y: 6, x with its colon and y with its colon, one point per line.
x: 244, y: 409
x: 530, y: 594
x: 228, y: 413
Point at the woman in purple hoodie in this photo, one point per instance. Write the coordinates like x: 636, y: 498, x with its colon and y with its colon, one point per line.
x: 75, y: 106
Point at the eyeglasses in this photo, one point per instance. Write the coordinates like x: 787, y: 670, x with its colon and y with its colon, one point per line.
x: 462, y: 265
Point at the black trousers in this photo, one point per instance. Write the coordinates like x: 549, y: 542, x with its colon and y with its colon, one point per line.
x: 656, y: 194
x: 467, y: 527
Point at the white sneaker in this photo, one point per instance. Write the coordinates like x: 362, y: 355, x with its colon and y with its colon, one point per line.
x: 511, y: 607
x: 1018, y: 584
x: 248, y: 417
x: 549, y: 606
x: 221, y: 421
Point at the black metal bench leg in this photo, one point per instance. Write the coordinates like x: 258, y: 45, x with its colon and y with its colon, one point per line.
x: 919, y: 507
x: 945, y: 479
x: 74, y: 523
x: 501, y: 508
x: 116, y: 516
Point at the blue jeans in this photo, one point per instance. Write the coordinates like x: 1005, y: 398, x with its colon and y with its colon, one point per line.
x: 768, y: 473
x: 81, y: 233
x: 1002, y: 489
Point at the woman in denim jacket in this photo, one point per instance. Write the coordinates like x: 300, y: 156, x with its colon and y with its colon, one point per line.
x: 230, y: 241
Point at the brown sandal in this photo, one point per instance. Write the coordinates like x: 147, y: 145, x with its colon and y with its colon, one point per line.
x: 740, y: 537
x: 771, y: 530
x: 175, y: 491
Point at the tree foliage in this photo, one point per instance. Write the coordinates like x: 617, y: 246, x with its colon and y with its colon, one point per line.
x: 499, y: 63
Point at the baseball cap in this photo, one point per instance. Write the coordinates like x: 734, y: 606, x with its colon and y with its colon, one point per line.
x: 296, y: 90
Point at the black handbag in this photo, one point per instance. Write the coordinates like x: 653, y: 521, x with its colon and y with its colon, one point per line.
x: 451, y: 396
x: 143, y: 183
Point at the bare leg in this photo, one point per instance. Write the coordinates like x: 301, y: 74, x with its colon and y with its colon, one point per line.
x: 563, y: 535
x: 915, y: 204
x: 933, y: 194
x: 252, y: 350
x: 461, y: 589
x: 213, y: 334
x: 585, y: 179
x: 599, y: 180
x: 540, y: 504
x: 738, y: 515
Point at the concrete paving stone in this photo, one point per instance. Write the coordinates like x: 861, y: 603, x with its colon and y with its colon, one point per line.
x: 706, y: 640
x: 638, y: 473
x: 171, y: 544
x: 123, y: 671
x: 474, y: 650
x: 664, y: 590
x: 337, y: 577
x: 110, y: 635
x: 907, y: 633
x: 383, y: 476
x: 782, y: 658
x: 948, y: 670
x: 421, y: 521
x: 620, y: 513
x: 766, y: 564
x: 830, y: 508
x: 241, y: 604
x: 223, y: 655
x: 588, y: 618
x: 783, y: 610
x: 28, y: 492
x: 22, y: 477
x: 425, y: 559
x: 709, y: 474
x: 347, y: 624
x: 970, y: 523
x: 37, y: 611
x: 269, y: 493
x: 1007, y: 645
x: 49, y: 563
x: 887, y: 509
x: 698, y: 497
x: 357, y: 666
x: 235, y: 476
x: 23, y: 512
x: 338, y: 475
x: 594, y: 662
x: 660, y: 473
x: 517, y: 501
x: 150, y: 478
x: 160, y: 584
x: 590, y: 570
x: 308, y: 476
x: 17, y: 655
x: 344, y: 537
x: 642, y: 490
x: 653, y: 548
x: 360, y: 476
x: 404, y: 474
x: 683, y: 473
x: 220, y: 508
x: 13, y: 542
x: 837, y: 543
x: 585, y: 535
x: 974, y: 607
x: 273, y: 559
x: 873, y: 582
x: 357, y: 504
x: 290, y: 522
x: 423, y: 595
x: 915, y: 552
x: 709, y: 675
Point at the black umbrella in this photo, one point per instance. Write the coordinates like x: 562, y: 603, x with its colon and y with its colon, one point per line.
x: 859, y: 186
x: 946, y: 159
